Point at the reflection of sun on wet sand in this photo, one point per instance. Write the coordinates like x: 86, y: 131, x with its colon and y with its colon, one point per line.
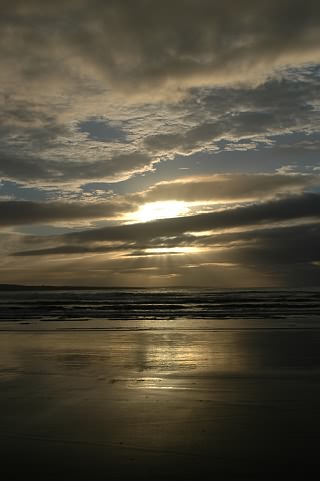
x: 239, y: 404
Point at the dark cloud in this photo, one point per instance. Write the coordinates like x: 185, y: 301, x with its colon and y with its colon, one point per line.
x: 306, y: 206
x: 274, y: 108
x: 260, y: 247
x: 25, y: 212
x: 35, y: 169
x: 296, y: 207
x: 288, y: 254
x: 286, y: 245
x: 72, y: 249
x: 143, y: 43
x: 285, y: 254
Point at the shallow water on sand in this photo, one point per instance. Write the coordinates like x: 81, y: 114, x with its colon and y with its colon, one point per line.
x: 239, y: 402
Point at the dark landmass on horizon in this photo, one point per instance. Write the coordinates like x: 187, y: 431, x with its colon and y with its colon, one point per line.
x: 45, y: 287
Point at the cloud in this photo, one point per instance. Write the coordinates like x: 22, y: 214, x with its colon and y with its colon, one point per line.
x: 84, y: 137
x: 99, y: 91
x: 26, y: 212
x: 295, y: 208
x: 44, y: 171
x: 39, y: 145
x: 272, y: 256
x: 207, y: 189
x: 146, y: 45
x: 270, y: 243
x: 286, y: 245
x: 277, y: 107
x: 228, y: 187
x: 72, y: 249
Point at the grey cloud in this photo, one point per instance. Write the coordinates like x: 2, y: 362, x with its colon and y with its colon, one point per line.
x: 228, y: 187
x: 288, y: 254
x: 276, y: 107
x: 293, y: 89
x: 72, y: 249
x: 24, y: 212
x: 271, y: 245
x: 37, y: 146
x: 298, y: 244
x: 300, y: 207
x: 33, y: 169
x: 296, y: 207
x: 233, y: 126
x: 146, y: 44
x: 22, y: 112
x: 274, y: 245
x: 274, y: 252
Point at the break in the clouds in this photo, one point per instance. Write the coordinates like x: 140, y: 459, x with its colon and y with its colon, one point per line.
x: 200, y: 116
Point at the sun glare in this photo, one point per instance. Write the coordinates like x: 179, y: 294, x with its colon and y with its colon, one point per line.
x: 160, y: 210
x: 172, y: 250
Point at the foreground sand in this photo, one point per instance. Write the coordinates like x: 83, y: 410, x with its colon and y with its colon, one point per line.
x: 157, y: 404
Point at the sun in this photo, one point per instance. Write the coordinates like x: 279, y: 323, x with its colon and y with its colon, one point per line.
x: 160, y: 210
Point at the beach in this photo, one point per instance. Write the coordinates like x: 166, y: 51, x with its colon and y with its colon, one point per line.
x: 160, y: 217
x: 239, y: 402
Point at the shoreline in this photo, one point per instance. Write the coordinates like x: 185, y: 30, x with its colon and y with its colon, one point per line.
x: 170, y: 325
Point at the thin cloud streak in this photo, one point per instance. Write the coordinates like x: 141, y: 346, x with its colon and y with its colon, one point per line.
x: 24, y: 212
x: 232, y: 187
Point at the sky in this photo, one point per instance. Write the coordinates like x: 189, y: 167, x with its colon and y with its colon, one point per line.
x: 160, y: 144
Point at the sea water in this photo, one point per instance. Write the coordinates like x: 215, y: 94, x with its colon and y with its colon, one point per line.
x: 158, y: 304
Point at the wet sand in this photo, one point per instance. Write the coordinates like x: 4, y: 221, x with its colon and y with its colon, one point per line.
x: 157, y: 404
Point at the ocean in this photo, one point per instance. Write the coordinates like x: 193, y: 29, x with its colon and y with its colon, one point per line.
x: 181, y: 304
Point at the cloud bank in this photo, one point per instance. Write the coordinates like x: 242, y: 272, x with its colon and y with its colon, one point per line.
x: 147, y: 45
